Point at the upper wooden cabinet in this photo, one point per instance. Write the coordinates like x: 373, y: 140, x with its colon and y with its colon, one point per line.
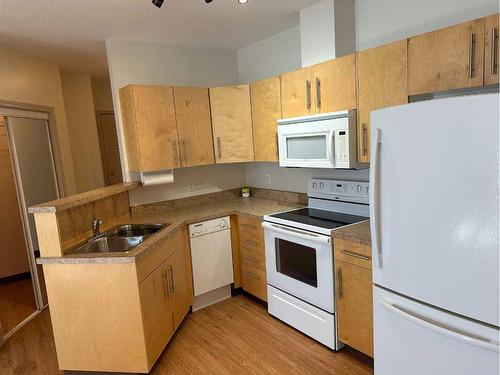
x: 266, y: 110
x: 446, y: 59
x: 194, y: 126
x: 232, y: 123
x: 321, y: 88
x: 149, y: 126
x: 381, y: 83
x: 491, y: 50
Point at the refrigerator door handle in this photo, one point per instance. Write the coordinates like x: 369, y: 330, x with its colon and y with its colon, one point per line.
x: 375, y: 197
x: 446, y: 330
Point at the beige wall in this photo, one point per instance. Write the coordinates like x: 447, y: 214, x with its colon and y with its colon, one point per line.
x: 28, y: 80
x: 82, y: 129
x: 101, y: 90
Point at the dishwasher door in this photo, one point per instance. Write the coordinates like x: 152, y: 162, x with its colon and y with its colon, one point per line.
x: 212, y: 260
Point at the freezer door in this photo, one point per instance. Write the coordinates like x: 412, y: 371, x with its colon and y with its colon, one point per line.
x: 434, y: 203
x: 414, y: 339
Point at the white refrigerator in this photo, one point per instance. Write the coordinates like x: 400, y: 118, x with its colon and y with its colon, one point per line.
x: 434, y: 210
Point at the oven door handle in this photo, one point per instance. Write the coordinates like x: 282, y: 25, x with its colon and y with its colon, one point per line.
x: 313, y: 237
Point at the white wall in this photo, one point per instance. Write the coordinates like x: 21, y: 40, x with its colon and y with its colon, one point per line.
x: 383, y: 21
x: 82, y: 130
x: 136, y: 62
x: 271, y: 56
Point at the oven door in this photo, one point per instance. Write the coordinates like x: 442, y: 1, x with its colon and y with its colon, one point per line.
x: 308, y: 145
x: 300, y: 263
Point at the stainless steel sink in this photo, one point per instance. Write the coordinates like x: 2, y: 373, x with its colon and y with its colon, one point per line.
x: 109, y: 245
x: 134, y: 230
x: 120, y: 239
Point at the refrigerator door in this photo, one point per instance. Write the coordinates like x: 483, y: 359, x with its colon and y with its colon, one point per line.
x: 434, y: 203
x: 415, y: 339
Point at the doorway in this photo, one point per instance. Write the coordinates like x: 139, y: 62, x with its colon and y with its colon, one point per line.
x: 28, y: 175
x: 110, y: 153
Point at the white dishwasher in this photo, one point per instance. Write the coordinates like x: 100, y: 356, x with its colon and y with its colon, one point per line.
x: 212, y: 261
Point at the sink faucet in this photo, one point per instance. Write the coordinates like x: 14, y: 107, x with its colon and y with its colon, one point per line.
x: 96, y: 226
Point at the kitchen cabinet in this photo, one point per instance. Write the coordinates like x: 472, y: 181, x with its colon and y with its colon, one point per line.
x: 232, y: 124
x: 266, y: 111
x: 382, y: 82
x: 118, y: 317
x: 321, y: 88
x: 149, y: 126
x: 491, y: 50
x: 353, y: 279
x: 194, y: 126
x: 446, y: 59
x: 252, y: 255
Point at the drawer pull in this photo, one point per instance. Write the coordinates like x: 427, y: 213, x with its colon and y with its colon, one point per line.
x: 165, y: 283
x: 252, y: 276
x: 171, y: 272
x: 355, y: 255
x: 251, y: 259
x: 252, y: 243
x: 251, y: 226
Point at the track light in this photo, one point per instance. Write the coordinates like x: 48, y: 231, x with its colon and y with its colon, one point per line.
x: 242, y: 1
x: 158, y: 3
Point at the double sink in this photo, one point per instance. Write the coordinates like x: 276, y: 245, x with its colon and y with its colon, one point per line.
x: 120, y: 239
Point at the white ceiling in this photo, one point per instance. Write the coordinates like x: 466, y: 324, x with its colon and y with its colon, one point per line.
x: 72, y: 32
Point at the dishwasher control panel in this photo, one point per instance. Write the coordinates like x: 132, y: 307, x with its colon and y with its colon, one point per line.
x: 210, y: 226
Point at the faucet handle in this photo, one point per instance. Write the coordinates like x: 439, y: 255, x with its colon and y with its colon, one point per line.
x: 96, y: 225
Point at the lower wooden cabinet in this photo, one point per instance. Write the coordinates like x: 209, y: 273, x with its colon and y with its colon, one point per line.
x: 353, y: 278
x: 252, y: 256
x: 118, y: 317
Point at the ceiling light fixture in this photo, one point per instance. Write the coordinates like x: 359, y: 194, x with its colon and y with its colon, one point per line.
x: 157, y: 3
x: 242, y: 1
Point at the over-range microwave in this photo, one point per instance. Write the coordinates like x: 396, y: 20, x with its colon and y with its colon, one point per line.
x: 319, y: 141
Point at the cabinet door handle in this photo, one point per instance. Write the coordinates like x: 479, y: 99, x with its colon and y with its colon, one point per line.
x: 355, y: 255
x: 165, y: 284
x: 318, y: 93
x: 185, y: 146
x: 219, y: 148
x: 308, y: 94
x: 171, y: 273
x: 251, y: 259
x: 493, y: 58
x: 339, y: 281
x: 251, y: 226
x: 175, y: 151
x: 364, y: 139
x: 472, y: 41
x: 248, y: 242
x: 277, y: 146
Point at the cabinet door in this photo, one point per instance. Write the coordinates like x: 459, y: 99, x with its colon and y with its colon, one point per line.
x: 355, y: 306
x: 266, y: 110
x: 148, y: 117
x: 296, y: 93
x: 180, y: 285
x: 253, y: 281
x: 491, y: 50
x: 194, y: 126
x: 446, y: 59
x: 156, y: 311
x: 334, y: 84
x: 381, y: 83
x: 232, y: 123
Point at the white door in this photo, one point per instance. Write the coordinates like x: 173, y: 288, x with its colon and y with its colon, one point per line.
x: 434, y: 203
x: 300, y: 263
x: 414, y: 339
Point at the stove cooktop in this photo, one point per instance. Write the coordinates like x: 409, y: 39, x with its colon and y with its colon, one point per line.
x: 319, y: 218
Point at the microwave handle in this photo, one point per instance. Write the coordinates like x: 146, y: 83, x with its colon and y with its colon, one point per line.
x: 331, y: 143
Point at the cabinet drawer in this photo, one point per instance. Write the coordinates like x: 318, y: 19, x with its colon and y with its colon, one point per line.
x: 253, y: 258
x: 353, y: 253
x: 251, y: 233
x: 253, y: 281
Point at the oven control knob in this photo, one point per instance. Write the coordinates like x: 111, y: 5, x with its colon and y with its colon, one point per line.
x: 315, y: 185
x: 223, y: 223
x: 321, y: 185
x: 359, y: 188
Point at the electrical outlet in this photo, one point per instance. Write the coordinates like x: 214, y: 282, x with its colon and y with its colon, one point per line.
x: 191, y: 186
x: 268, y: 179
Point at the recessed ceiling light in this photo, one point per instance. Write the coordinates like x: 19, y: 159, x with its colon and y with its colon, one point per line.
x: 242, y: 1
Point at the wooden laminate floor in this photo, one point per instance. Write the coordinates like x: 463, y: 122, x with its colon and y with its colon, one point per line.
x: 17, y: 302
x: 236, y: 336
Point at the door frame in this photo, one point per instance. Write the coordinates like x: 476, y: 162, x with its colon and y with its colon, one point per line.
x: 101, y: 143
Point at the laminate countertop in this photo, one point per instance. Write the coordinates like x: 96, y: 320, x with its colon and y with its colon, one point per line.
x: 176, y: 218
x: 359, y: 233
